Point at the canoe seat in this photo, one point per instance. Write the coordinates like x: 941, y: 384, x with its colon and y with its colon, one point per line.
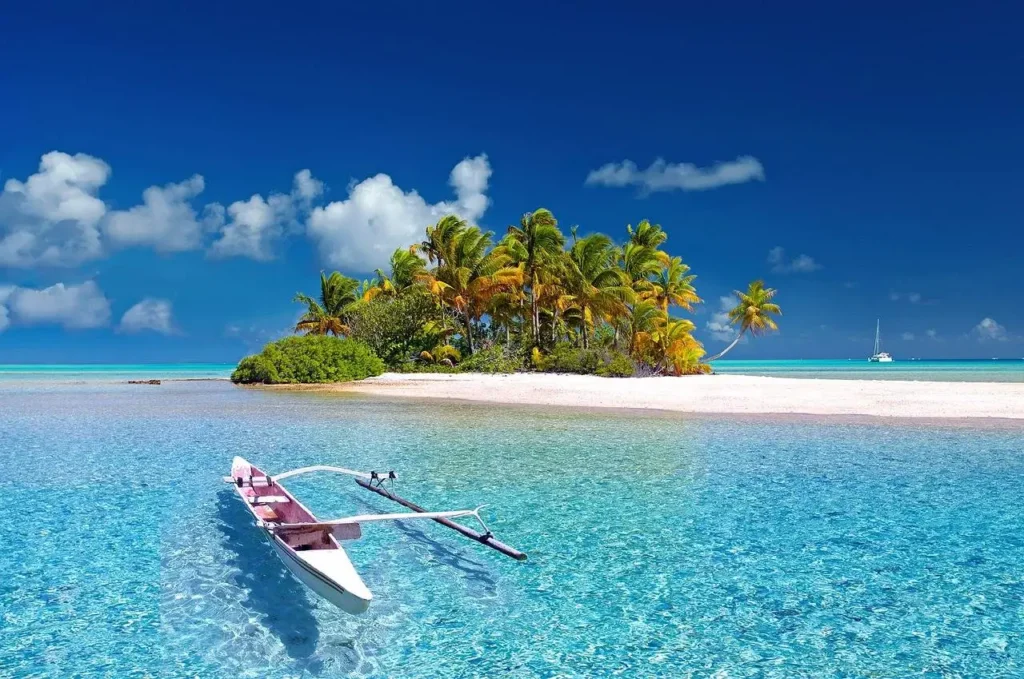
x: 266, y: 513
x: 268, y: 499
x: 310, y: 539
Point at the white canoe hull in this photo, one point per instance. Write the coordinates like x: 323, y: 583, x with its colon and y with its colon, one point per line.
x: 351, y: 597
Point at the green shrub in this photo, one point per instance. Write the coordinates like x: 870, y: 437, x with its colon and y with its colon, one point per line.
x: 394, y: 326
x: 494, y: 359
x: 309, y: 360
x: 565, y: 358
x: 255, y: 370
x: 617, y: 365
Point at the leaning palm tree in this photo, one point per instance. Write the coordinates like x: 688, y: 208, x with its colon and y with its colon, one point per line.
x: 753, y: 312
x: 673, y: 285
x: 593, y: 285
x: 535, y: 243
x: 329, y: 313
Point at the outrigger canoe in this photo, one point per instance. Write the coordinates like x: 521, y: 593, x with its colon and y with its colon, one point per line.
x: 311, y: 549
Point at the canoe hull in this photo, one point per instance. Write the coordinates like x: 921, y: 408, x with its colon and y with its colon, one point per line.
x: 320, y: 564
x: 346, y: 600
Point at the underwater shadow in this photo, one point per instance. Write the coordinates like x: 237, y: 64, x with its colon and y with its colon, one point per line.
x: 278, y: 598
x: 475, y: 571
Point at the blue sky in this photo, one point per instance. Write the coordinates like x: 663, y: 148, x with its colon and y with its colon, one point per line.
x: 155, y: 208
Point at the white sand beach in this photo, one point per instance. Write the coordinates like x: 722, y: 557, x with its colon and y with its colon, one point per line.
x: 732, y: 394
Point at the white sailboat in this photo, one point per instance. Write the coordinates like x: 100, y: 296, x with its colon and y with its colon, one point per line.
x: 879, y: 356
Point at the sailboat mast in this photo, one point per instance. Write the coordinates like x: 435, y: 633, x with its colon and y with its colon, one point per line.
x: 878, y: 327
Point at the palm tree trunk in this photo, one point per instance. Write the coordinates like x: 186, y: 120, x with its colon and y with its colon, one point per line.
x: 469, y: 332
x: 534, y: 311
x: 723, y: 352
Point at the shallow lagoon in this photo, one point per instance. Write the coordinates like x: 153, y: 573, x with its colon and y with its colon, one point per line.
x: 659, y: 545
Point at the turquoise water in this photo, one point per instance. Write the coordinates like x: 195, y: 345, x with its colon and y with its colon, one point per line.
x: 1004, y: 370
x: 659, y: 546
x: 978, y: 370
x: 99, y: 371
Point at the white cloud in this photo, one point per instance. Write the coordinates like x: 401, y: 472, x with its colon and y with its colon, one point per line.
x: 307, y: 187
x: 52, y: 217
x: 988, y: 330
x: 931, y: 333
x: 165, y: 221
x: 255, y: 225
x: 912, y: 297
x: 149, y: 314
x: 799, y: 264
x: 663, y: 176
x: 908, y: 336
x: 72, y: 306
x: 361, y: 232
x: 719, y: 324
x: 5, y: 292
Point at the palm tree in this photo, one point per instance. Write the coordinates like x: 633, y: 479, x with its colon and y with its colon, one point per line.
x: 672, y: 285
x: 681, y: 352
x: 753, y: 312
x: 406, y: 267
x: 594, y: 286
x: 441, y: 238
x: 329, y: 314
x: 647, y: 235
x: 504, y: 308
x: 639, y: 263
x: 470, y: 276
x: 534, y: 244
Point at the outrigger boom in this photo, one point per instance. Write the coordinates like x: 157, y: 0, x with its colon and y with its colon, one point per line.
x: 310, y: 548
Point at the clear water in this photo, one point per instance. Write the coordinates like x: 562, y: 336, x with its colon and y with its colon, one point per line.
x: 106, y: 372
x: 976, y: 370
x: 659, y: 546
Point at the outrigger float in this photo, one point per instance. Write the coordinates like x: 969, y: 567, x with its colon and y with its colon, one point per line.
x: 311, y: 548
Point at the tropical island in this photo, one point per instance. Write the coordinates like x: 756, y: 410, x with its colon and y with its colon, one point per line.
x: 533, y: 301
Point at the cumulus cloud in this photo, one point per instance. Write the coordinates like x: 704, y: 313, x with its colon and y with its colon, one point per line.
x: 932, y: 333
x: 149, y: 314
x: 5, y: 292
x: 72, y: 306
x: 988, y: 331
x: 362, y: 231
x: 719, y: 324
x: 799, y: 264
x: 52, y: 217
x: 908, y: 336
x: 165, y: 221
x: 254, y: 226
x: 664, y: 176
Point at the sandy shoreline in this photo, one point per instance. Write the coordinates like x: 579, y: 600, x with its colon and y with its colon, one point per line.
x: 724, y: 394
